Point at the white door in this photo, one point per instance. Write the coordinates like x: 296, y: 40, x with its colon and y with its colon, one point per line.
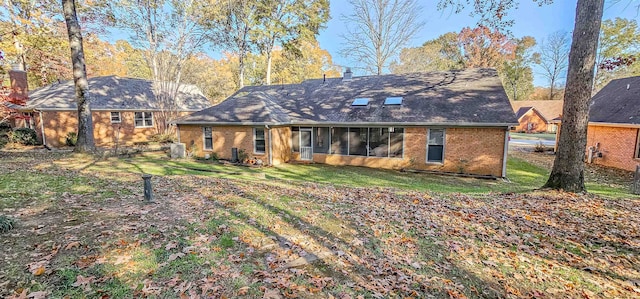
x: 306, y: 150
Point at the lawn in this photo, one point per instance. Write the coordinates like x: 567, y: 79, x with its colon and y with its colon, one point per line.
x: 533, y: 136
x: 307, y: 231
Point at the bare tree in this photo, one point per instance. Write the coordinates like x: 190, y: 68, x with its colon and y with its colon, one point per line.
x: 85, y: 141
x: 378, y: 29
x: 554, y: 59
x: 230, y: 24
x: 169, y: 33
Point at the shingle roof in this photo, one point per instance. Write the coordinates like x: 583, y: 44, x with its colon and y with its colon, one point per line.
x: 617, y: 102
x: 112, y: 93
x: 548, y: 109
x: 467, y: 97
x: 522, y: 111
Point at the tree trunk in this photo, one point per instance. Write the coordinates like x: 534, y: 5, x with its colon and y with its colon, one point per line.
x: 568, y: 168
x: 85, y: 141
x: 551, y: 88
x: 268, y: 79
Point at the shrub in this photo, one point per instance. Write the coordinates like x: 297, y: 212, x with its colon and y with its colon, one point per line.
x: 540, y: 147
x: 242, y: 156
x: 24, y: 136
x: 71, y: 139
x: 6, y: 223
x: 5, y: 126
x: 163, y: 138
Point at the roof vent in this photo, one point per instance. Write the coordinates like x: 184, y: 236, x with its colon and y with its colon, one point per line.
x: 628, y: 85
x: 393, y: 101
x: 360, y: 102
x: 348, y: 75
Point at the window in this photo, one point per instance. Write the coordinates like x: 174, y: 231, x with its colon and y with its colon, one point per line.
x: 143, y: 119
x: 208, y: 138
x: 295, y: 139
x: 321, y: 140
x: 360, y: 102
x: 115, y: 117
x: 258, y: 141
x: 638, y: 145
x: 393, y: 101
x: 435, y: 146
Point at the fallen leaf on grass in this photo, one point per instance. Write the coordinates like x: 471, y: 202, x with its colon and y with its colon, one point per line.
x: 38, y: 295
x: 272, y: 294
x: 175, y: 256
x: 243, y: 291
x: 72, y: 245
x: 83, y: 282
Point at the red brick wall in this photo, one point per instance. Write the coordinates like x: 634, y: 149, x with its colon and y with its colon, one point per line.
x: 538, y: 123
x: 57, y: 124
x: 468, y: 150
x: 224, y: 138
x: 617, y: 144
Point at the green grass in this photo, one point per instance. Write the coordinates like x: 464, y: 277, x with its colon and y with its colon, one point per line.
x: 522, y: 175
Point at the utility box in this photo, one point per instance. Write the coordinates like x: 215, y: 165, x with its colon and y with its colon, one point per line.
x: 178, y: 151
x: 234, y: 154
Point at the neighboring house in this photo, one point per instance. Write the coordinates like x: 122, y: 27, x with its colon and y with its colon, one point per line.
x: 537, y: 116
x: 124, y: 110
x: 453, y: 121
x: 614, y: 125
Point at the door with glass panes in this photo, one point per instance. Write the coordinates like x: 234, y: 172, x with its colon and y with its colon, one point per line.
x: 306, y: 150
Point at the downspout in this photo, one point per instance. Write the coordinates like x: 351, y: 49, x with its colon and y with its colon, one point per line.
x: 178, y: 132
x: 44, y: 140
x: 506, y: 150
x: 270, y: 155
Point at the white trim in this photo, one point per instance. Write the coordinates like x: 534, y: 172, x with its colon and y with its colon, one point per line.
x: 44, y: 139
x: 310, y: 130
x: 599, y: 124
x: 444, y: 141
x: 349, y: 124
x: 506, y: 151
x: 270, y: 146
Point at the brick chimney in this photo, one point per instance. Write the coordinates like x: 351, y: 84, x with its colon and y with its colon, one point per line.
x: 19, y: 87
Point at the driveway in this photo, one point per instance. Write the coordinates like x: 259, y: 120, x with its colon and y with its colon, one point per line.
x: 531, y: 142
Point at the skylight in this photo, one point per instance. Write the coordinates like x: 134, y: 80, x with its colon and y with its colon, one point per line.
x: 393, y: 101
x: 360, y: 102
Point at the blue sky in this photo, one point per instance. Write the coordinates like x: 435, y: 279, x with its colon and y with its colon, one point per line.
x: 530, y: 19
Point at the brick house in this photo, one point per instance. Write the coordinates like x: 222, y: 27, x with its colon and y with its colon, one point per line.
x: 454, y: 121
x: 537, y: 116
x: 124, y: 110
x: 614, y: 125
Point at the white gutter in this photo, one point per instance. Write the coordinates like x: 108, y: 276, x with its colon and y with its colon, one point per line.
x: 270, y: 146
x: 350, y: 124
x: 506, y: 150
x: 44, y: 139
x: 621, y: 125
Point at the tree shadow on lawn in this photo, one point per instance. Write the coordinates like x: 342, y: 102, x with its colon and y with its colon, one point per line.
x: 370, y: 267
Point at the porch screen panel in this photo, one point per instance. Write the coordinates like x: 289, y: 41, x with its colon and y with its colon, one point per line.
x: 396, y: 138
x: 378, y: 142
x: 339, y: 141
x: 295, y: 139
x: 321, y: 140
x: 358, y: 141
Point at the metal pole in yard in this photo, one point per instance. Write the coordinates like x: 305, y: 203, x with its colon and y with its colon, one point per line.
x: 635, y: 188
x: 148, y: 191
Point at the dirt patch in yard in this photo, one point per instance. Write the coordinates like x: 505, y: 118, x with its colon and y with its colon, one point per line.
x: 84, y: 231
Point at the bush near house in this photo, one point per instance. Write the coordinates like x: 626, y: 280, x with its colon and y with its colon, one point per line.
x: 24, y: 136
